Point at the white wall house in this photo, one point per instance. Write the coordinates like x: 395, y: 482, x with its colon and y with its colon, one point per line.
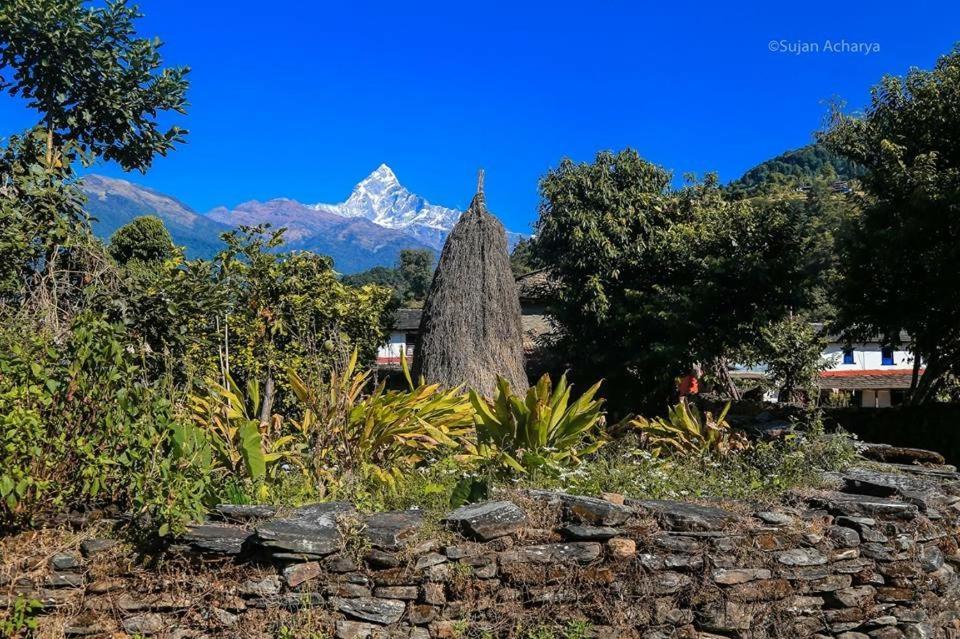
x: 869, y: 375
x: 403, y: 338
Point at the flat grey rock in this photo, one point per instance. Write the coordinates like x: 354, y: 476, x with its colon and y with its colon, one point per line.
x: 682, y: 516
x: 863, y: 505
x: 774, y: 518
x: 801, y: 557
x: 311, y: 531
x: 585, y: 509
x: 148, y: 624
x: 217, y: 539
x: 900, y: 454
x: 66, y: 562
x: 487, y: 520
x: 579, y: 532
x: 372, y: 609
x: 93, y: 547
x: 392, y: 529
x: 581, y: 552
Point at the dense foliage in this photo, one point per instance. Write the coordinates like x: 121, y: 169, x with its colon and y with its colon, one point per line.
x: 901, y: 254
x: 655, y: 280
x: 410, y: 278
x: 145, y: 239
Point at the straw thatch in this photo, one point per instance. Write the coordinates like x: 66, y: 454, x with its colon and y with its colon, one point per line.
x: 470, y: 329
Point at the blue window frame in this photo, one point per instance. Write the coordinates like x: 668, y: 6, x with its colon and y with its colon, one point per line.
x: 848, y: 356
x: 886, y: 356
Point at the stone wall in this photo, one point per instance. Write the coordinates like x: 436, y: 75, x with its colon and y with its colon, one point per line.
x: 874, y: 556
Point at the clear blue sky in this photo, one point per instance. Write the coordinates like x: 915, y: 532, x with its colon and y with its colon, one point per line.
x: 303, y: 99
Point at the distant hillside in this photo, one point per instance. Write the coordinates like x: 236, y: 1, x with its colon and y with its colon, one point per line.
x: 113, y: 203
x: 354, y: 243
x: 795, y: 168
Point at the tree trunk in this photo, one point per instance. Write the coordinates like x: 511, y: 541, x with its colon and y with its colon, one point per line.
x: 268, y: 395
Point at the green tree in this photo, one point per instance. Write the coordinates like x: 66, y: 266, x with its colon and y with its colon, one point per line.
x: 416, y: 269
x: 792, y: 350
x: 654, y: 280
x: 523, y: 258
x: 144, y: 238
x: 409, y: 280
x: 98, y: 87
x: 900, y: 255
x: 289, y: 311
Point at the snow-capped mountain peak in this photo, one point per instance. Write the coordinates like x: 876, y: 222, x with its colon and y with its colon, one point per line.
x: 381, y: 198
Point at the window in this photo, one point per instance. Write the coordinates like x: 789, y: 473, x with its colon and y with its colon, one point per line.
x: 848, y: 356
x: 886, y: 356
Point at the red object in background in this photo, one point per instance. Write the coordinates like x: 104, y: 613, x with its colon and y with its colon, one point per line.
x: 688, y: 386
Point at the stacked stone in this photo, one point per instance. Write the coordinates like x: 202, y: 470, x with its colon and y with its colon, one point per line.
x: 873, y: 557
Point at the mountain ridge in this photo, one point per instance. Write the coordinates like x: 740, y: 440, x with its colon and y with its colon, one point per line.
x: 369, y: 228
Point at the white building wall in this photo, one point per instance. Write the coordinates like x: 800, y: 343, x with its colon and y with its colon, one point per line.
x: 865, y: 357
x: 394, y: 347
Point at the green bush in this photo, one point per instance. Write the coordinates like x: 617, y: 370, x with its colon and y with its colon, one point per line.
x: 542, y: 431
x: 81, y: 428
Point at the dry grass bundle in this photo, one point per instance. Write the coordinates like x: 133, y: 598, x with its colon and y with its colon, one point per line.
x: 470, y: 330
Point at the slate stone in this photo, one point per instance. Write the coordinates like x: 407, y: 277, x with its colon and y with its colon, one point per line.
x: 668, y: 583
x: 429, y: 560
x: 774, y: 518
x: 64, y: 580
x: 732, y: 576
x: 311, y: 531
x: 243, y: 513
x: 66, y: 562
x: 93, y: 547
x: 381, y: 559
x: 579, y: 532
x: 582, y: 552
x: 296, y: 574
x: 584, y: 509
x: 681, y: 516
x: 403, y: 593
x: 852, y: 597
x: 931, y: 559
x: 346, y: 629
x: 390, y: 530
x: 487, y: 520
x: 266, y: 587
x: 148, y: 624
x: 801, y: 557
x: 843, y: 537
x: 864, y: 505
x: 217, y: 539
x: 372, y: 609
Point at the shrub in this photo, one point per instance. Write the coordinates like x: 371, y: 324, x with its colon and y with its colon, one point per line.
x: 385, y: 433
x: 687, y: 430
x: 80, y: 428
x: 541, y: 431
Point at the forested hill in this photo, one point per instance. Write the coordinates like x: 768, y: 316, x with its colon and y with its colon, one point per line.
x: 794, y: 168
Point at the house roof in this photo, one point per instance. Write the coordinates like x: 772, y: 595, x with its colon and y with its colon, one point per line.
x: 536, y: 286
x: 406, y: 319
x: 866, y: 379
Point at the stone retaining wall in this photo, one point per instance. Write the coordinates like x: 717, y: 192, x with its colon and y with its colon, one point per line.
x: 875, y: 557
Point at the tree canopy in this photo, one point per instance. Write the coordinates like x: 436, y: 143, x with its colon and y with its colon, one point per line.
x: 900, y: 255
x: 98, y: 87
x: 654, y: 280
x: 144, y: 238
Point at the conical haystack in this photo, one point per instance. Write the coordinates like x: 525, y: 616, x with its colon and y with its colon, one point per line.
x: 470, y: 328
